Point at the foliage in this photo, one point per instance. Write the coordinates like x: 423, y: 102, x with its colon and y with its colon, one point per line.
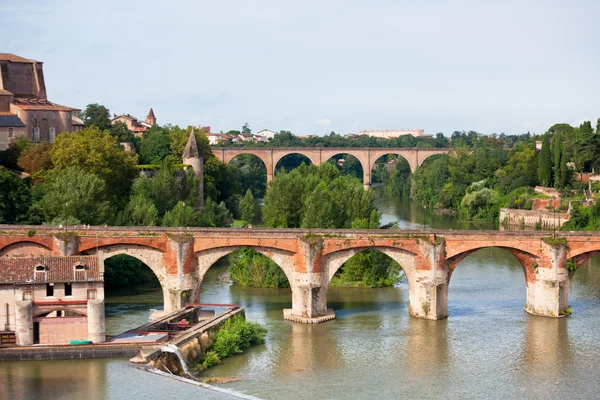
x: 122, y: 270
x: 320, y: 197
x: 155, y: 145
x: 140, y: 211
x: 36, y: 160
x: 180, y: 136
x: 250, y: 268
x: 233, y: 337
x: 480, y: 203
x: 74, y: 192
x: 248, y: 207
x: 96, y: 115
x: 99, y: 153
x: 545, y: 163
x: 583, y: 218
x: 182, y: 215
x: 15, y: 198
x: 9, y: 157
x: 369, y: 268
x: 215, y: 215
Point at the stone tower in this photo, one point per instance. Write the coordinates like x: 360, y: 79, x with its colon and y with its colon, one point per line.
x: 194, y: 157
x: 151, y: 119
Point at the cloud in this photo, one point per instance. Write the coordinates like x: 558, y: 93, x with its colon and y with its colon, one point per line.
x: 323, y: 122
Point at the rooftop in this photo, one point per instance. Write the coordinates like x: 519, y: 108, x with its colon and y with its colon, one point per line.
x: 35, y: 104
x: 16, y: 59
x: 55, y: 269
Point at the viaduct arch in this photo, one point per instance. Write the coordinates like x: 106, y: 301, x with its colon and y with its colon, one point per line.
x: 367, y: 156
x: 180, y: 258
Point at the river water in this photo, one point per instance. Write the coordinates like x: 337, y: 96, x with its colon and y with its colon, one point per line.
x: 487, y: 348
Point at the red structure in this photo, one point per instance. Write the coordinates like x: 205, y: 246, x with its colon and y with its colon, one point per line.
x: 181, y: 257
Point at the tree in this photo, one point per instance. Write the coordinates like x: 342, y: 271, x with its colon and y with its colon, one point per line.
x: 120, y: 131
x: 99, y: 153
x: 215, y: 215
x: 248, y: 207
x: 545, y: 163
x: 14, y: 198
x: 182, y: 215
x: 76, y: 193
x: 162, y: 189
x: 9, y: 157
x: 180, y: 137
x: 246, y: 128
x: 36, y: 160
x: 155, y: 146
x: 96, y: 115
x: 140, y: 211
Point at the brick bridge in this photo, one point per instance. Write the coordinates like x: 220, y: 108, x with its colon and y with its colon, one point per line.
x: 317, y: 155
x: 180, y: 258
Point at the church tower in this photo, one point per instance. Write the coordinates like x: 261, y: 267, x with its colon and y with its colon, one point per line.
x: 151, y: 119
x: 194, y: 157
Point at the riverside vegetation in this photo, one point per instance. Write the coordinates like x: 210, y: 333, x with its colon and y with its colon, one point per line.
x: 88, y: 178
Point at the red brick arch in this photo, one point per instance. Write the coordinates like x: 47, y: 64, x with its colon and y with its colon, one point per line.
x: 12, y: 242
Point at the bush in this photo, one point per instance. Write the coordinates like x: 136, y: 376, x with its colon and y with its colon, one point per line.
x: 234, y: 336
x: 250, y: 268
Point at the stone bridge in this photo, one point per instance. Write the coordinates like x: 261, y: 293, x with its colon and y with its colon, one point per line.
x: 180, y: 258
x: 317, y: 155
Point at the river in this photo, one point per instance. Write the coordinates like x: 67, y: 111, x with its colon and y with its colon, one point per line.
x: 487, y: 348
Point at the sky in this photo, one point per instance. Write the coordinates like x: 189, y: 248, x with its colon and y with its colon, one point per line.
x: 316, y: 66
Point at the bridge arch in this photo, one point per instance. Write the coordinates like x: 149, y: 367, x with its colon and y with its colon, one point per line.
x: 527, y: 260
x: 26, y: 248
x: 207, y: 258
x: 333, y: 261
x: 277, y: 157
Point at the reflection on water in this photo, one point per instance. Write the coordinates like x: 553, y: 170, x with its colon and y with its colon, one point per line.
x: 487, y: 348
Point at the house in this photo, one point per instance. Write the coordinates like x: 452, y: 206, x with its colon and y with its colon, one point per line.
x: 394, y: 133
x: 51, y: 300
x: 138, y: 127
x: 265, y: 135
x: 24, y: 107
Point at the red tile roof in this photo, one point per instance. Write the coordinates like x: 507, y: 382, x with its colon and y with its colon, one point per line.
x: 14, y: 58
x: 41, y: 104
x: 57, y: 269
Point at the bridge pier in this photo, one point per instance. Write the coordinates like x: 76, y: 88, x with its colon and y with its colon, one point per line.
x: 428, y: 284
x: 180, y: 282
x: 548, y: 292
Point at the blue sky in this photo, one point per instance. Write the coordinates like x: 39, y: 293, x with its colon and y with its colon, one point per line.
x: 315, y: 66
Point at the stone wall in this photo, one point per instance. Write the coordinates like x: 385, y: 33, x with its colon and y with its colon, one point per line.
x: 531, y: 218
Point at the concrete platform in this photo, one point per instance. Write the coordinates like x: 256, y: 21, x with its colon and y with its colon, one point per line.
x: 287, y: 315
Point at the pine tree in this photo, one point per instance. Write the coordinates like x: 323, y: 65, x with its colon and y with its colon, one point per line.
x: 247, y: 207
x: 545, y: 163
x: 557, y: 159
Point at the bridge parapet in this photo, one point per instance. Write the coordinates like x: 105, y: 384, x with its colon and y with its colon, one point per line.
x: 180, y: 258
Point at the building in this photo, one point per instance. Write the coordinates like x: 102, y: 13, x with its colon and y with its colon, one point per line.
x: 265, y: 135
x: 135, y: 125
x: 24, y: 107
x: 394, y: 133
x: 194, y: 157
x: 51, y: 300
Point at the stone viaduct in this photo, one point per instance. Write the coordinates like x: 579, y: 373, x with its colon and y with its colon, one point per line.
x: 317, y: 155
x: 180, y: 258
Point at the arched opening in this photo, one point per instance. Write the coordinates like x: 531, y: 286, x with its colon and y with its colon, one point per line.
x: 25, y: 249
x: 490, y: 282
x: 347, y: 164
x: 367, y: 280
x: 584, y: 288
x: 291, y: 161
x: 251, y: 277
x: 54, y: 325
x: 252, y: 173
x: 131, y: 290
x: 392, y: 172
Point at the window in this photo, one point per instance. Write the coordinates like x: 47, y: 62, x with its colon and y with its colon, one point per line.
x: 91, y: 294
x: 45, y: 116
x: 79, y: 267
x: 40, y: 268
x: 53, y: 114
x: 52, y: 134
x: 49, y: 289
x: 68, y: 289
x: 11, y: 132
x: 36, y: 134
x: 35, y: 115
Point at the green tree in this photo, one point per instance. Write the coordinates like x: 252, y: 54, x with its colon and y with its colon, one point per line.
x: 9, y: 157
x: 96, y: 115
x: 369, y: 268
x: 250, y: 268
x: 78, y: 194
x: 180, y: 137
x: 545, y: 163
x: 155, y: 145
x: 99, y: 153
x: 15, y: 198
x: 182, y: 215
x: 162, y: 189
x: 140, y: 211
x: 120, y: 131
x: 248, y: 207
x: 215, y: 215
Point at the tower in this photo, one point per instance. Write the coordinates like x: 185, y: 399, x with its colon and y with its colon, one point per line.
x: 194, y: 157
x: 151, y: 119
